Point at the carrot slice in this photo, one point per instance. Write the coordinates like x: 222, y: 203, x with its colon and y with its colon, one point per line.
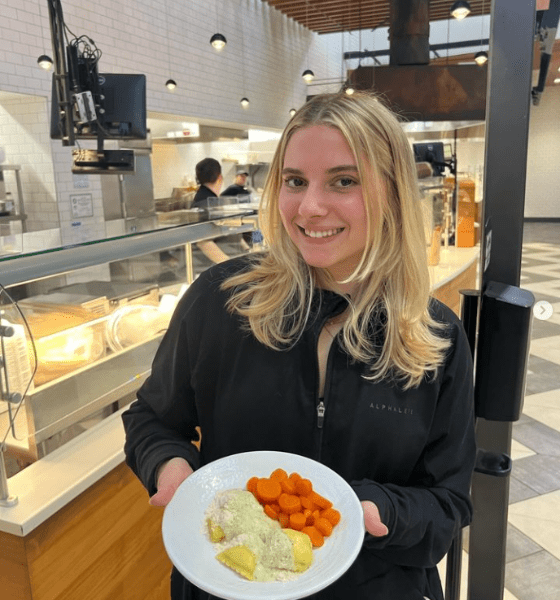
x: 304, y: 487
x: 268, y: 490
x: 323, y: 525
x: 252, y: 485
x: 270, y: 511
x: 332, y: 515
x: 306, y: 502
x: 320, y: 501
x: 279, y: 474
x: 288, y: 486
x: 309, y: 519
x: 284, y: 519
x: 295, y: 476
x: 289, y: 504
x: 315, y: 536
x: 297, y: 521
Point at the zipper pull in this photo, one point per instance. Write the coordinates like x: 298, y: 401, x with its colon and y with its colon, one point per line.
x: 320, y: 414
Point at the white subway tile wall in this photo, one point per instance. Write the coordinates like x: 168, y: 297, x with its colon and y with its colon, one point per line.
x: 263, y: 60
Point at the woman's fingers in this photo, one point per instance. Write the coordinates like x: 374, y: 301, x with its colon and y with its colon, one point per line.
x: 372, y: 520
x: 170, y: 476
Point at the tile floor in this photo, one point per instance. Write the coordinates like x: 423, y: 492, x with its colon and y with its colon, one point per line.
x: 532, y: 569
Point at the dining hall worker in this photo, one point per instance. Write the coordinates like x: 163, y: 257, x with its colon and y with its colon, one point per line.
x: 329, y: 346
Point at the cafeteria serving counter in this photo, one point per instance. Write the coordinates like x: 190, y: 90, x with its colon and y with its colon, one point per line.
x: 81, y: 526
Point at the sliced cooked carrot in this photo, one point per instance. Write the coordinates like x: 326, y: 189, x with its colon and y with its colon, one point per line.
x: 270, y: 511
x: 315, y: 536
x: 306, y: 502
x: 323, y: 525
x: 279, y: 474
x: 320, y: 501
x: 289, y: 504
x: 288, y: 486
x: 297, y: 521
x: 304, y: 487
x: 284, y: 519
x: 295, y: 476
x: 252, y: 485
x: 268, y: 490
x: 308, y: 516
x: 332, y: 515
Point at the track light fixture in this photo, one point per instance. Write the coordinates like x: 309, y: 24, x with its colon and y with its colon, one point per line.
x: 244, y: 102
x: 218, y: 41
x: 170, y: 84
x: 480, y: 57
x: 308, y: 76
x: 460, y: 9
x: 45, y: 62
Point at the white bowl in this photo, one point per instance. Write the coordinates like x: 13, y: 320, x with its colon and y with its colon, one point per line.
x: 187, y: 544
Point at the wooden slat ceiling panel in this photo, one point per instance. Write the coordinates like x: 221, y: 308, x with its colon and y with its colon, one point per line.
x: 332, y: 16
x: 335, y: 16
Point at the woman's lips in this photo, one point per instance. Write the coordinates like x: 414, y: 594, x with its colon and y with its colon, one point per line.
x: 325, y: 233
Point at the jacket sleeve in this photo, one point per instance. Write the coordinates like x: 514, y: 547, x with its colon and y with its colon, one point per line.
x: 161, y: 423
x: 424, y: 519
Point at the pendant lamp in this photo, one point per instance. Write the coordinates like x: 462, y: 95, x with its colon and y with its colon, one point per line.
x: 45, y: 62
x: 460, y: 9
x: 480, y: 57
x: 218, y: 41
x: 308, y: 76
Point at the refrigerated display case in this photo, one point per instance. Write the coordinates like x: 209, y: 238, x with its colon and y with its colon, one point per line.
x: 89, y: 321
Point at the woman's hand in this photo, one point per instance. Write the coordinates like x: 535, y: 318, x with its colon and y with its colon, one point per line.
x: 372, y: 519
x: 170, y: 476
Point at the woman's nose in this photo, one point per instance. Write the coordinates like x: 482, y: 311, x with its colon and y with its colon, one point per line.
x: 313, y: 202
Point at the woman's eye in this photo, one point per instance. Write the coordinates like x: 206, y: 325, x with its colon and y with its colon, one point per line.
x: 294, y: 182
x: 345, y: 182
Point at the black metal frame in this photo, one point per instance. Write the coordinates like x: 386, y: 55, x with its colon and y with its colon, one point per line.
x: 507, y: 128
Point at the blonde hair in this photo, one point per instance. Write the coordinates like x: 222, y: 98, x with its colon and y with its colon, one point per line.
x: 391, y: 279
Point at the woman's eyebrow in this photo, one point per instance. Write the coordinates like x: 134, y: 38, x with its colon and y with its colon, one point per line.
x: 337, y: 169
x: 343, y: 168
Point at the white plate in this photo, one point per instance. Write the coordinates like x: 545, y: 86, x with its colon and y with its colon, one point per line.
x: 188, y: 547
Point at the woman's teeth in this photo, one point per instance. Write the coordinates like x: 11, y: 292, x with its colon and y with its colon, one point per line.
x: 321, y: 234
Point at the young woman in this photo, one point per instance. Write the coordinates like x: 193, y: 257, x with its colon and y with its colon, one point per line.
x: 329, y: 346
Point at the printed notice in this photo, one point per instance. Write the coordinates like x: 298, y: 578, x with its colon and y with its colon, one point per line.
x: 82, y: 205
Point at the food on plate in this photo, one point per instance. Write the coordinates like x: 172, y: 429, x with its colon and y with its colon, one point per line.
x: 251, y: 543
x: 268, y: 531
x: 292, y: 501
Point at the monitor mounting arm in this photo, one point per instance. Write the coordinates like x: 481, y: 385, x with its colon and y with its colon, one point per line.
x: 61, y: 72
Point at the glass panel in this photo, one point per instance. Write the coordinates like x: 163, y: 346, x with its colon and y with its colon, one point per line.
x: 18, y: 362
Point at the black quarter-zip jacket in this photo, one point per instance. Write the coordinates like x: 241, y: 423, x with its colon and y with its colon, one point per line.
x: 410, y: 452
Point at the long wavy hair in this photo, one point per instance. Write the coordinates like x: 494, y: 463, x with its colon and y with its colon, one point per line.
x: 391, y: 281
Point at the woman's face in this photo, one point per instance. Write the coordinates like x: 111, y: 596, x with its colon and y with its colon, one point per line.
x: 321, y: 201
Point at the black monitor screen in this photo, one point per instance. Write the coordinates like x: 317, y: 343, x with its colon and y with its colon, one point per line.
x: 123, y: 100
x: 432, y: 153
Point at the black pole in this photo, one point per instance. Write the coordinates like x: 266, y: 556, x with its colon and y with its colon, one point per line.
x: 507, y: 125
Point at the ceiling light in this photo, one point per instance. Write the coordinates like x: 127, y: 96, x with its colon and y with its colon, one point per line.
x: 308, y: 76
x: 292, y: 112
x: 481, y: 57
x: 170, y: 84
x: 244, y: 102
x: 218, y: 41
x: 45, y: 62
x: 460, y: 9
